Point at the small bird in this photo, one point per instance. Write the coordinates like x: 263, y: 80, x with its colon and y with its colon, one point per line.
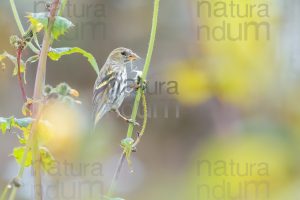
x: 111, y: 84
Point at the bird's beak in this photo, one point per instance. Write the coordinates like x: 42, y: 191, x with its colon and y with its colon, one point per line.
x: 133, y: 57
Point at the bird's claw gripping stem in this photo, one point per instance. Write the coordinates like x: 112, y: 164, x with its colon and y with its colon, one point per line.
x: 126, y: 119
x: 141, y: 83
x: 133, y: 122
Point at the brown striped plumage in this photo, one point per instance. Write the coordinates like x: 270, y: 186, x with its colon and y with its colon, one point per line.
x: 111, y: 83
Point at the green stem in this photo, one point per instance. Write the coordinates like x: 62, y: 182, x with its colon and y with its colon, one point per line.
x: 19, y: 24
x: 146, y: 67
x: 38, y: 92
x: 116, y: 175
x: 123, y: 155
x: 145, y: 117
x: 138, y: 96
x: 62, y: 7
x: 20, y: 173
x: 4, y: 193
x: 13, y: 193
x: 19, y: 176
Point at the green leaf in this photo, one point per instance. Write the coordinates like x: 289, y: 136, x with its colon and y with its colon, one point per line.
x: 3, y: 128
x: 24, y: 122
x: 22, y: 140
x: 2, y: 56
x: 3, y: 125
x: 2, y: 120
x: 18, y: 153
x: 48, y: 161
x: 40, y: 20
x: 61, y: 26
x: 32, y: 59
x: 8, y: 123
x: 13, y: 59
x: 57, y: 53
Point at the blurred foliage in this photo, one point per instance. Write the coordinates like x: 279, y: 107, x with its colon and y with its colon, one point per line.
x: 251, y: 164
x: 237, y: 71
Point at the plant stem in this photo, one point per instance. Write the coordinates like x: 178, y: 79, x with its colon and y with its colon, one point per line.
x: 146, y: 67
x: 4, y: 193
x: 38, y: 89
x: 39, y: 85
x: 13, y: 193
x: 139, y: 95
x: 22, y: 165
x: 19, y: 24
x: 38, y: 92
x: 116, y: 174
x: 62, y: 7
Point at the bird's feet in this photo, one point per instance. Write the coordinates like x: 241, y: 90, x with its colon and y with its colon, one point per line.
x: 131, y: 121
x: 140, y: 83
x: 126, y: 119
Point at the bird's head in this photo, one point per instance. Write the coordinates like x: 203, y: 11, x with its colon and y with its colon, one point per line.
x: 123, y: 55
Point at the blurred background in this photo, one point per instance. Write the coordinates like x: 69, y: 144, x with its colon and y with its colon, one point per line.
x: 223, y: 97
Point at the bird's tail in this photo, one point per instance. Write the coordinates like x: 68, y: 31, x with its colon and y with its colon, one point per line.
x: 96, y: 117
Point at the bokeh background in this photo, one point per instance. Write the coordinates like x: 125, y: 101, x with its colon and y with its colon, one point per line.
x: 223, y: 113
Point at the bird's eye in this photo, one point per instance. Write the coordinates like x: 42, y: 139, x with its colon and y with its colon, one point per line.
x: 123, y: 53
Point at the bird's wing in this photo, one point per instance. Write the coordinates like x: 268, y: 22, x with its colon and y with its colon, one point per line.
x: 103, y: 84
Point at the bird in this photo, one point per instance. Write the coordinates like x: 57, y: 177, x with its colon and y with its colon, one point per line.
x: 110, y: 86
